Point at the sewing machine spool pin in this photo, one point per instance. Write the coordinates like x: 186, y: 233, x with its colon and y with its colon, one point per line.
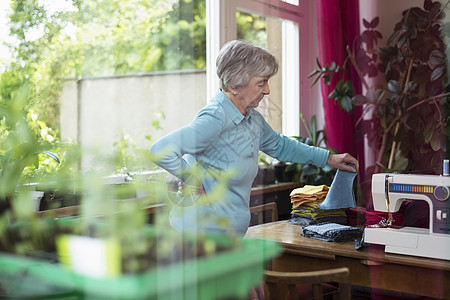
x: 386, y: 197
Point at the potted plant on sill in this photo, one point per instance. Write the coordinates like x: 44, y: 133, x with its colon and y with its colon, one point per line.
x: 404, y: 117
x: 22, y: 150
x: 266, y: 170
x: 308, y: 173
x: 134, y: 260
x: 21, y: 144
x: 137, y: 261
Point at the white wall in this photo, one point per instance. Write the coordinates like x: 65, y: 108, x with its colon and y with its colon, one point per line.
x: 310, y: 97
x: 389, y: 11
x: 94, y: 111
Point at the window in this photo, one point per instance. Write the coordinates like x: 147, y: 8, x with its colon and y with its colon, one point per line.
x: 118, y: 62
x: 282, y: 19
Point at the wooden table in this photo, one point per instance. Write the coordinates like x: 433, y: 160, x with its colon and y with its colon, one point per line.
x: 370, y: 267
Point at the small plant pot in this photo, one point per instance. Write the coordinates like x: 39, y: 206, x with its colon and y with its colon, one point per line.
x: 265, y: 176
x: 282, y: 175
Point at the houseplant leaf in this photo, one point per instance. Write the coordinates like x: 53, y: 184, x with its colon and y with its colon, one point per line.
x: 52, y: 155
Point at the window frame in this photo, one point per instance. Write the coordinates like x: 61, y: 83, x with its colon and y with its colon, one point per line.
x: 221, y: 27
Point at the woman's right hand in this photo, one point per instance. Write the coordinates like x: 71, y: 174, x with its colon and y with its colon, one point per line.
x: 343, y: 162
x: 181, y: 189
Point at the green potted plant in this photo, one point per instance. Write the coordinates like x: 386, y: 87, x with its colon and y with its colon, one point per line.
x: 22, y: 152
x: 406, y: 120
x: 22, y: 145
x: 266, y: 170
x: 134, y: 260
x: 308, y: 173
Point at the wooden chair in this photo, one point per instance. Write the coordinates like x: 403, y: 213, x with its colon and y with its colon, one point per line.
x: 280, y: 284
x: 260, y: 211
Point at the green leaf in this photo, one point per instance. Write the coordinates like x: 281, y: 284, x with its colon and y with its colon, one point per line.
x: 393, y: 37
x: 51, y: 155
x: 348, y: 88
x: 315, y: 81
x: 334, y: 94
x: 346, y: 104
x: 401, y: 40
x: 309, y: 169
x: 428, y: 132
x: 408, y: 86
x: 437, y: 73
x: 393, y: 86
x: 381, y: 94
x: 313, y: 130
x: 445, y: 29
x: 435, y: 141
x: 327, y: 169
x: 333, y: 66
x: 318, y: 63
x: 436, y: 58
x: 313, y: 73
x: 400, y: 162
x: 302, y: 117
x: 35, y: 161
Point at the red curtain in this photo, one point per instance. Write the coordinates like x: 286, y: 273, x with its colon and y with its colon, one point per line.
x: 338, y: 25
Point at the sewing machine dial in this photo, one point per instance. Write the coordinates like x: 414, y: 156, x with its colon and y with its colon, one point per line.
x: 441, y: 193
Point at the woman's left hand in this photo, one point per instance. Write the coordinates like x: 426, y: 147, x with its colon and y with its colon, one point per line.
x: 343, y: 162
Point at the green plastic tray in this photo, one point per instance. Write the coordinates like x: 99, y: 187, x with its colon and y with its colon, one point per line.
x: 230, y: 273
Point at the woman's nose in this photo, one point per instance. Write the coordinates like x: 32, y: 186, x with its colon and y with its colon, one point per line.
x: 266, y: 89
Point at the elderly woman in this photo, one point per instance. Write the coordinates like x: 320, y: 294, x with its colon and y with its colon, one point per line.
x: 228, y: 134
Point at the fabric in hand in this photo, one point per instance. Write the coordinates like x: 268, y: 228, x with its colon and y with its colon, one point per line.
x: 341, y: 193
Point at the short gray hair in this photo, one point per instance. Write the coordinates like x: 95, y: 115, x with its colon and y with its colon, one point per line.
x: 238, y: 61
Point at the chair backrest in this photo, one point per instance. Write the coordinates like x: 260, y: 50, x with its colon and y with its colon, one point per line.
x: 260, y: 211
x: 280, y: 284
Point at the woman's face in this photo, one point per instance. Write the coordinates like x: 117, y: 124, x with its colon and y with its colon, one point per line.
x: 251, y: 95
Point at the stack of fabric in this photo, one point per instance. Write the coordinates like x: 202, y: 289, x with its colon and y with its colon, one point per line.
x: 305, y: 210
x: 332, y: 232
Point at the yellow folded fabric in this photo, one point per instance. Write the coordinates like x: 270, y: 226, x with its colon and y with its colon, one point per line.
x: 310, y: 189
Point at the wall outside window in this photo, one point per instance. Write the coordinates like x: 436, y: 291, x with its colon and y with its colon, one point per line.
x: 95, y: 111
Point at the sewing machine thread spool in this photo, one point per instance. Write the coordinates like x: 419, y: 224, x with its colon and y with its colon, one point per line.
x: 445, y: 168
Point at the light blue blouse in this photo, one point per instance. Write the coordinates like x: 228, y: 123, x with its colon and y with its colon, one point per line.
x: 221, y: 138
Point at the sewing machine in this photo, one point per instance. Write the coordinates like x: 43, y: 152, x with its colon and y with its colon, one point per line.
x: 389, y: 190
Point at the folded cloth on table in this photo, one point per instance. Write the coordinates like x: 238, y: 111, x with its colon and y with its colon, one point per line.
x: 315, y: 213
x: 299, y: 199
x: 309, y: 189
x: 308, y: 194
x: 332, y: 232
x: 304, y: 220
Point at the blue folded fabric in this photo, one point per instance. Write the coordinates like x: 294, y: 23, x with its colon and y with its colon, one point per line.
x: 341, y: 193
x: 332, y: 232
x: 304, y: 220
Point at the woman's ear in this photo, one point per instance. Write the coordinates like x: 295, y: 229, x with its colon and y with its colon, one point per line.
x: 233, y: 90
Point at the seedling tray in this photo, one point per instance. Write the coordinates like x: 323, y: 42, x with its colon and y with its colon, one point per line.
x: 226, y: 274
